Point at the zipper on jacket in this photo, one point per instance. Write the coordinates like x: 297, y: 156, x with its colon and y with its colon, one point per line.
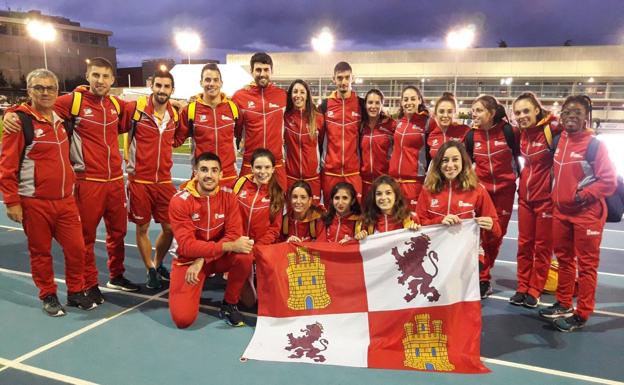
x: 530, y: 164
x: 370, y: 146
x: 62, y: 160
x: 489, y: 156
x: 401, y: 153
x: 105, y: 142
x: 450, y: 198
x: 343, y: 130
x: 300, y: 144
x: 563, y: 157
x: 253, y: 202
x: 209, y: 217
x: 263, y: 118
x: 216, y: 131
x: 338, y: 229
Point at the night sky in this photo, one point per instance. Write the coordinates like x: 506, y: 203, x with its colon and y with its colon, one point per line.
x: 142, y: 31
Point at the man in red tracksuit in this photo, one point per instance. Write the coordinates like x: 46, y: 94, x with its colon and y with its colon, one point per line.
x: 152, y: 124
x: 208, y: 229
x: 579, y: 214
x: 37, y: 183
x: 96, y: 159
x: 261, y: 122
x: 340, y: 138
x: 213, y: 123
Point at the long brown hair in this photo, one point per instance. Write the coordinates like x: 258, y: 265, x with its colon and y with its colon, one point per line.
x: 421, y: 107
x: 372, y: 212
x: 530, y: 96
x: 306, y: 186
x: 435, y: 180
x: 331, y: 211
x: 496, y: 109
x: 382, y: 114
x: 276, y: 194
x: 310, y: 109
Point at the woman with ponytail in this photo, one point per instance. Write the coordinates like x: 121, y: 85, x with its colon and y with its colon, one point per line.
x: 303, y: 221
x: 442, y: 128
x: 493, y: 146
x: 538, y: 133
x: 302, y: 123
x: 408, y: 163
x: 376, y: 139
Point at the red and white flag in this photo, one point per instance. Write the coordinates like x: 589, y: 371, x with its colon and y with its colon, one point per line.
x: 398, y: 300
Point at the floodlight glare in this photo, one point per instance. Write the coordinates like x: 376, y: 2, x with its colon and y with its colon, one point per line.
x: 188, y: 42
x: 324, y: 42
x: 460, y: 38
x: 44, y: 32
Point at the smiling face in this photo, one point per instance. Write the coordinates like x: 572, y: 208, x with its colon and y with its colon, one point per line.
x: 208, y: 174
x: 300, y: 201
x: 262, y: 170
x: 299, y: 96
x: 342, y: 202
x: 162, y: 88
x: 43, y: 92
x: 262, y: 74
x: 373, y: 105
x: 574, y: 117
x: 385, y: 198
x: 211, y: 83
x: 451, y: 164
x: 410, y: 101
x: 525, y: 113
x: 481, y: 116
x: 444, y: 113
x: 100, y: 80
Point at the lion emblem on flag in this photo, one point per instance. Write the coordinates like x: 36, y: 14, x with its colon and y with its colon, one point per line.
x: 412, y: 267
x: 305, y: 344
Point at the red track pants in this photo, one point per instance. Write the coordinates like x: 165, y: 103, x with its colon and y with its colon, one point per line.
x: 503, y: 200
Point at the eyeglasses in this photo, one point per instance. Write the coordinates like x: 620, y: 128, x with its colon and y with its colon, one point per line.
x: 42, y: 89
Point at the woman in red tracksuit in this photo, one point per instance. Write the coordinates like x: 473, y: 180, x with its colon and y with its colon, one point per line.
x: 452, y: 192
x: 496, y: 167
x: 342, y: 215
x: 538, y: 127
x: 408, y: 160
x: 302, y: 123
x: 579, y: 213
x: 442, y: 128
x: 261, y: 199
x: 375, y: 139
x: 385, y: 209
x: 303, y: 221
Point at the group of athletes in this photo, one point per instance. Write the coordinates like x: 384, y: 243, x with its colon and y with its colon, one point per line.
x: 336, y: 172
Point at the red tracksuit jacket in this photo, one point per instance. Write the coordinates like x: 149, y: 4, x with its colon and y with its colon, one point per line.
x: 536, y: 175
x: 408, y: 157
x: 45, y: 171
x: 201, y: 224
x: 437, y: 137
x: 302, y: 228
x: 386, y: 223
x: 340, y: 138
x: 432, y: 208
x: 571, y: 169
x: 494, y: 162
x: 261, y: 121
x: 339, y: 228
x: 150, y: 149
x: 302, y: 150
x: 213, y: 131
x: 376, y: 146
x: 94, y: 147
x: 255, y: 206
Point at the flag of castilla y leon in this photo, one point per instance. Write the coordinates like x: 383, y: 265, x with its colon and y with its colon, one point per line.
x: 398, y: 300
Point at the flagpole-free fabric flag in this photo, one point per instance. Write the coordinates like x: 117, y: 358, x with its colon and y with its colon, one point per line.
x: 398, y: 300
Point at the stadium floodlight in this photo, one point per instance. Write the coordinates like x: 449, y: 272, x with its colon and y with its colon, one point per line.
x: 44, y: 32
x: 163, y: 67
x: 188, y: 41
x: 323, y: 43
x: 459, y: 39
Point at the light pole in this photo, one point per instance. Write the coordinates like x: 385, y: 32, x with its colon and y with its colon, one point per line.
x: 458, y: 40
x: 187, y: 41
x: 322, y: 43
x: 43, y: 32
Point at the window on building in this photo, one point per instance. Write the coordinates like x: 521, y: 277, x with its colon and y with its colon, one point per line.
x: 84, y: 38
x: 75, y: 38
x: 93, y: 39
x: 4, y: 29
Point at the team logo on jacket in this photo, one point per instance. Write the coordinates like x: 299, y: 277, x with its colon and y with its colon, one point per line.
x: 499, y: 143
x: 546, y: 215
x: 592, y: 232
x: 411, y: 264
x: 251, y: 105
x: 537, y: 144
x: 464, y: 204
x: 38, y: 133
x: 353, y: 113
x: 243, y: 194
x: 305, y: 344
x: 265, y: 200
x: 88, y: 112
x: 195, y: 217
x: 576, y: 155
x: 434, y: 142
x: 330, y: 114
x: 225, y: 117
x: 113, y: 111
x: 202, y: 118
x: 219, y: 216
x: 435, y: 203
x: 477, y: 145
x: 273, y: 105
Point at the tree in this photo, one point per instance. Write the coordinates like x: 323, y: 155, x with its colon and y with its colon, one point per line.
x: 502, y: 44
x: 3, y: 82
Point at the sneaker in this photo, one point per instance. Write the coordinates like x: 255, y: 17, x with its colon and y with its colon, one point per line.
x: 517, y: 299
x: 163, y: 272
x: 95, y: 294
x: 80, y: 300
x: 486, y: 289
x: 231, y: 315
x: 556, y: 311
x: 52, y: 306
x: 530, y: 301
x: 569, y: 324
x: 121, y: 283
x: 153, y: 280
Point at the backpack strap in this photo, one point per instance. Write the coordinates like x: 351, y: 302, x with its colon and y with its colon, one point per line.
x: 128, y: 137
x: 313, y: 229
x: 427, y: 148
x: 323, y: 106
x: 76, y: 102
x: 28, y: 131
x: 284, y: 224
x: 469, y: 142
x: 239, y: 185
x: 191, y: 117
x: 115, y: 103
x: 233, y: 108
x: 592, y: 150
x: 510, y: 138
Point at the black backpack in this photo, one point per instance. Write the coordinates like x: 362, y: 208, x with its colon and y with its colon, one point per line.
x: 615, y: 202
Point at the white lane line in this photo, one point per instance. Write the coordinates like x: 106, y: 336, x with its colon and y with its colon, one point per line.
x: 608, y: 230
x: 599, y: 273
x: 552, y: 372
x: 45, y: 373
x: 602, y: 247
x: 601, y: 312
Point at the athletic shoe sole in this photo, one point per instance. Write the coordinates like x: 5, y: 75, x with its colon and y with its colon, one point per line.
x: 555, y: 316
x: 59, y: 313
x: 119, y: 287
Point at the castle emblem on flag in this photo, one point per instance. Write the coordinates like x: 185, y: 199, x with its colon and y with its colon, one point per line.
x: 426, y: 349
x: 306, y: 281
x: 412, y: 264
x: 305, y: 343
